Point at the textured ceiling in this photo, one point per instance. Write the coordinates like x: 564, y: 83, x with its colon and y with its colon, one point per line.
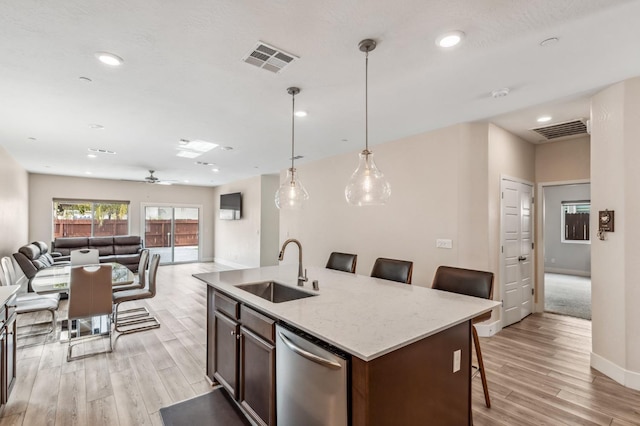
x: 184, y: 78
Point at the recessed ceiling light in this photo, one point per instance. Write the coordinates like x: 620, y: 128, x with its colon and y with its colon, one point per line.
x: 109, y: 59
x: 301, y: 113
x: 96, y: 126
x: 500, y: 93
x: 215, y: 170
x: 549, y: 42
x: 88, y: 173
x: 91, y: 155
x: 544, y: 119
x: 449, y: 39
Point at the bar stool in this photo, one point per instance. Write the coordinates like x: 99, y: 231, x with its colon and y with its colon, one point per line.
x: 393, y: 270
x: 342, y: 262
x: 471, y: 283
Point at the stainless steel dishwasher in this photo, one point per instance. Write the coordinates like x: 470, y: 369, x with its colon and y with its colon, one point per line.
x: 311, y: 381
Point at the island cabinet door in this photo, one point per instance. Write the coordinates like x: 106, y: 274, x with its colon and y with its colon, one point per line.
x: 257, y: 378
x: 226, y: 352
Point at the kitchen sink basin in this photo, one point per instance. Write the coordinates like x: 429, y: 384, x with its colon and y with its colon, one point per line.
x: 274, y: 292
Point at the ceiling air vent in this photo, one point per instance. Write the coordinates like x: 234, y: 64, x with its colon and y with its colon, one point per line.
x: 562, y: 130
x: 269, y: 58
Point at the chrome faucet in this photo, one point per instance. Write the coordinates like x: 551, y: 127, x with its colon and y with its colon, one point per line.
x: 301, y: 278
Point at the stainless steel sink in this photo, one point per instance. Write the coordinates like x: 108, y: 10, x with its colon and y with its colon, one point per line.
x: 274, y: 292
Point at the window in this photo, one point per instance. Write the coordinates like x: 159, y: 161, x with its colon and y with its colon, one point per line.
x: 89, y: 218
x: 575, y: 221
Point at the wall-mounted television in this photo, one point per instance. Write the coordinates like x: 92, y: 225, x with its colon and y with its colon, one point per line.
x: 231, y: 206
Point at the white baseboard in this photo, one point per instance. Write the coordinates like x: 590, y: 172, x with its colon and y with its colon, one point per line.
x: 230, y: 263
x: 488, y: 328
x: 567, y: 272
x: 626, y: 378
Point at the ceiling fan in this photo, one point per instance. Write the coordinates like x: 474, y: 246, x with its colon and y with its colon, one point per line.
x: 153, y: 179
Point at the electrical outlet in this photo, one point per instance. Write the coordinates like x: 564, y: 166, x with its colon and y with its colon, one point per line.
x: 444, y: 243
x: 456, y: 360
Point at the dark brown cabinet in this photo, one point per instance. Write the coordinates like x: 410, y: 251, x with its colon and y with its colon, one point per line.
x: 227, y: 352
x: 241, y: 355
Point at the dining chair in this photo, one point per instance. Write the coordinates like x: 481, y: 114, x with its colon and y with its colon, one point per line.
x: 139, y: 281
x: 25, y: 303
x: 85, y: 257
x: 342, y: 262
x: 475, y: 283
x: 89, y: 296
x: 393, y: 270
x: 142, y: 322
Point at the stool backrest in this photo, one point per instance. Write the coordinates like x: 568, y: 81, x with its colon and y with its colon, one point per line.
x: 342, y: 262
x: 393, y: 269
x: 469, y: 282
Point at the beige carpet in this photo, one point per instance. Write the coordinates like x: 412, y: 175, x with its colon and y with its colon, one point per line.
x: 567, y: 295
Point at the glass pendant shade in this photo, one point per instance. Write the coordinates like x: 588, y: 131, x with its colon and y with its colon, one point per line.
x: 367, y: 186
x: 291, y: 195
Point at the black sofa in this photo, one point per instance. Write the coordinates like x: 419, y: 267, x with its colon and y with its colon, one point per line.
x: 33, y: 257
x: 123, y: 249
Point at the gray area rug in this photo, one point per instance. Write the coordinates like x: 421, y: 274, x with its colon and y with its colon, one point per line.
x: 214, y: 408
x: 567, y: 295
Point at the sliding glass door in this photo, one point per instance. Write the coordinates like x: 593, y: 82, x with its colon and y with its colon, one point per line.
x: 172, y: 232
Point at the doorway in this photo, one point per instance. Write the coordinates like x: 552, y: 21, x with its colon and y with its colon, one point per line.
x: 173, y: 233
x: 567, y: 249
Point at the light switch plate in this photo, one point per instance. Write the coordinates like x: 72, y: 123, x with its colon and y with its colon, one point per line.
x: 444, y: 243
x: 456, y: 360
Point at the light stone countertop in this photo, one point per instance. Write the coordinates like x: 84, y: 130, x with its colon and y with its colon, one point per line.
x: 6, y: 292
x: 366, y: 317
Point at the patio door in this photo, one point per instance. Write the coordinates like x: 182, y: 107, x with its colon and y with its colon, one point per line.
x: 172, y: 232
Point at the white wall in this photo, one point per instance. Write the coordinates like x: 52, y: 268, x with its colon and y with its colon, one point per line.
x: 269, y: 221
x: 615, y: 117
x: 14, y: 205
x: 251, y: 241
x: 44, y: 188
x: 562, y: 257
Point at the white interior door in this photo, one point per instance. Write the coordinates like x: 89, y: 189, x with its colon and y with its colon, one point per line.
x: 516, y: 257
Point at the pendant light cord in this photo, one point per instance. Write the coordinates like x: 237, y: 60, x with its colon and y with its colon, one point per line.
x: 366, y: 101
x: 293, y: 128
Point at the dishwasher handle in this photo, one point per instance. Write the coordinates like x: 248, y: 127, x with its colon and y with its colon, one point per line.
x: 308, y: 355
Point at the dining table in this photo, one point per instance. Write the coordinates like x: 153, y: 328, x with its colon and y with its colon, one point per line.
x: 56, y: 279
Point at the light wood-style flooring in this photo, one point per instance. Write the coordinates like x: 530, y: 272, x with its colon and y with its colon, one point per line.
x: 538, y: 371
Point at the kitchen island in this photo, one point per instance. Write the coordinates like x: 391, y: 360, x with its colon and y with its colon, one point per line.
x: 402, y: 339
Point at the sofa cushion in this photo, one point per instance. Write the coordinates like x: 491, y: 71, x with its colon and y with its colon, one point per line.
x: 103, y: 250
x: 128, y: 249
x: 100, y: 241
x: 31, y: 251
x: 127, y: 240
x: 127, y: 259
x: 71, y: 242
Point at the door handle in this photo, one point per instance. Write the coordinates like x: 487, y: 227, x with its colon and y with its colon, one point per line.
x: 521, y: 258
x: 308, y: 355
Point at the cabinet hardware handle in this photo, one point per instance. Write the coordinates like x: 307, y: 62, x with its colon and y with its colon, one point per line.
x: 521, y: 258
x: 308, y: 355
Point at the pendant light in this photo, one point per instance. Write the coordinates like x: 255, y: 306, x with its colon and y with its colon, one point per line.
x: 291, y: 194
x: 367, y: 186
